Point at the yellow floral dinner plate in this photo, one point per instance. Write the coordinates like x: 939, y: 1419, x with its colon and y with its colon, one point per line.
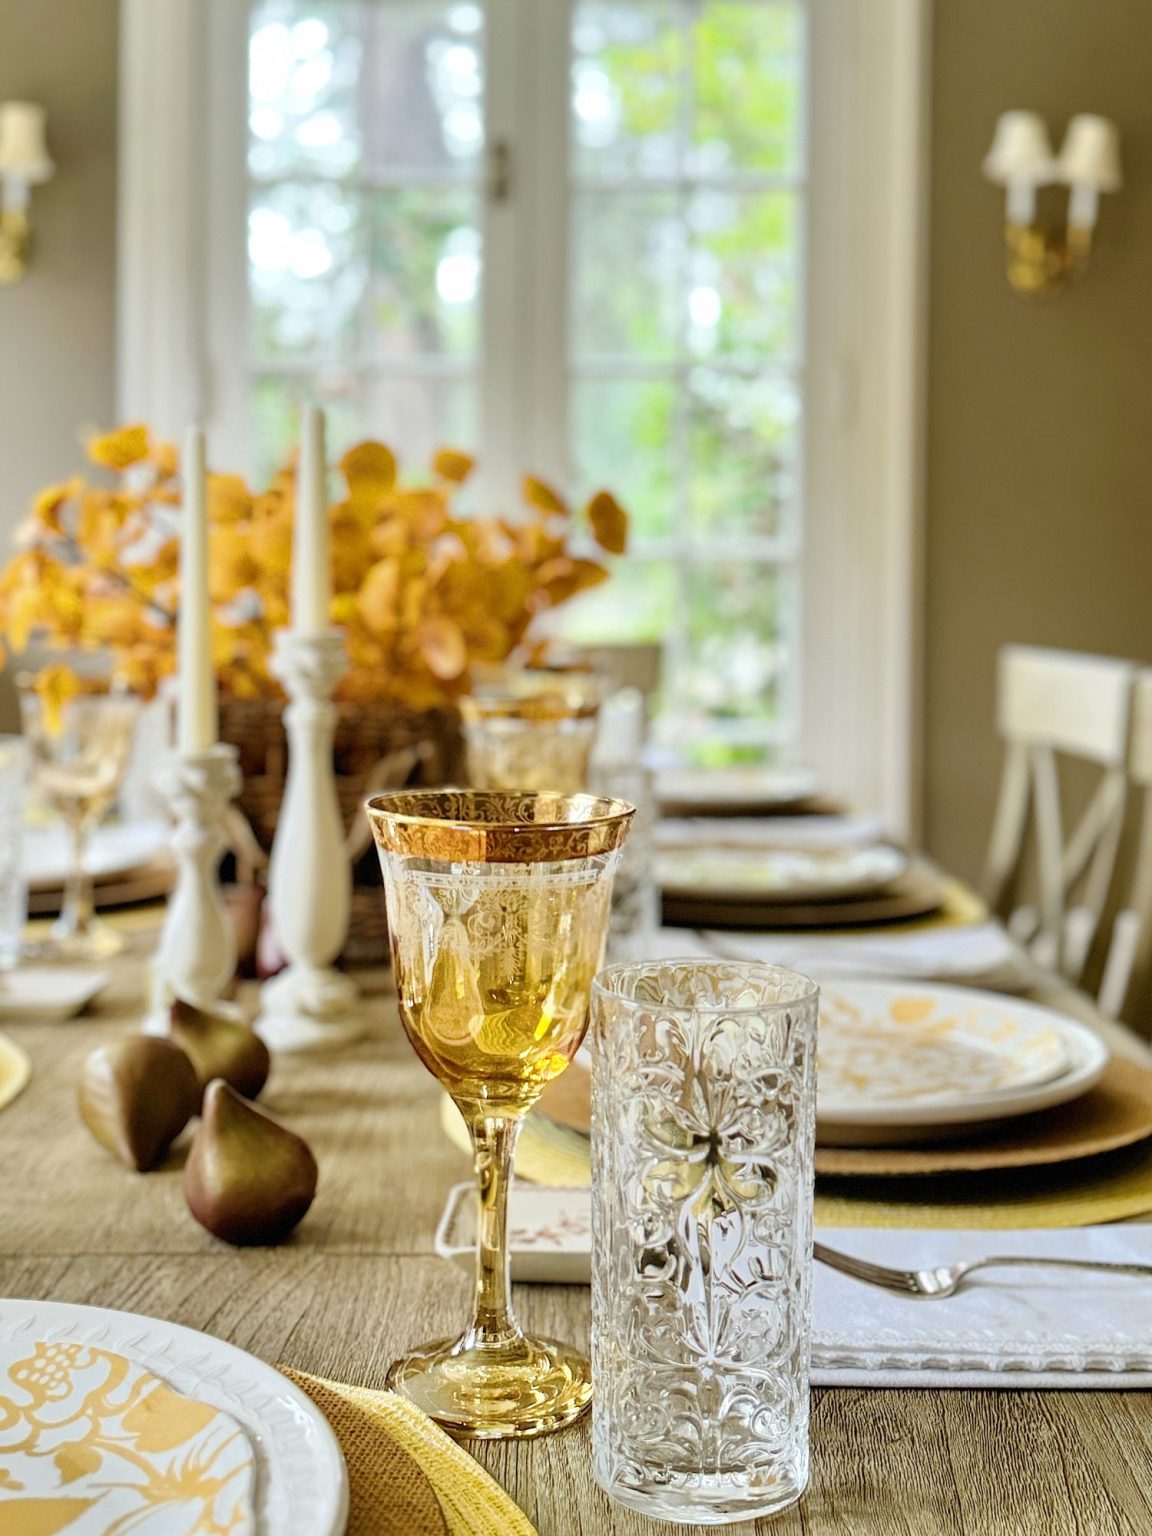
x: 897, y: 1060
x: 94, y: 1444
x: 112, y: 1423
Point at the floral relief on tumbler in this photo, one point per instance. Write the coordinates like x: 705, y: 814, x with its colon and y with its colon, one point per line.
x: 703, y: 1129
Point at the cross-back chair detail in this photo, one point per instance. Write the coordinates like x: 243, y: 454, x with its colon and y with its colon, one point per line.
x: 1053, y: 704
x: 1130, y: 945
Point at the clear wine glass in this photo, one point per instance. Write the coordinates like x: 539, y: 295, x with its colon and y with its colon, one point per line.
x: 78, y: 751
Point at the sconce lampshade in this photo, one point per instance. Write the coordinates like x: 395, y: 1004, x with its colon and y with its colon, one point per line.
x: 1021, y: 151
x: 1090, y: 155
x: 23, y: 151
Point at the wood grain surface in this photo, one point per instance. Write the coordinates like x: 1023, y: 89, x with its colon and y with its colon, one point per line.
x: 358, y: 1284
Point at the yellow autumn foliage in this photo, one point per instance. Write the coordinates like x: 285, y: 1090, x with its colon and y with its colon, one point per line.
x: 422, y: 591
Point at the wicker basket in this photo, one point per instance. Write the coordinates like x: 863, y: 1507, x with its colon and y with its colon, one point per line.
x: 377, y: 747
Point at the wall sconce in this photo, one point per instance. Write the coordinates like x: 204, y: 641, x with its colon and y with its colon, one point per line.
x: 1021, y: 159
x: 24, y: 164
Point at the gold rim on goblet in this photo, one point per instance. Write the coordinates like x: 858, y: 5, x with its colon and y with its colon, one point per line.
x: 497, y: 910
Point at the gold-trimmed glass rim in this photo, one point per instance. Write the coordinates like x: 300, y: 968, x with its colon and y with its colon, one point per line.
x: 557, y: 704
x: 494, y: 826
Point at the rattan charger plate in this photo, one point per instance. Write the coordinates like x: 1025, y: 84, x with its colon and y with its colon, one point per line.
x: 1116, y: 1113
x: 918, y: 893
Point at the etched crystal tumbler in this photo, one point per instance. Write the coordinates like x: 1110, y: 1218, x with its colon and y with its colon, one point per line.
x: 703, y: 1122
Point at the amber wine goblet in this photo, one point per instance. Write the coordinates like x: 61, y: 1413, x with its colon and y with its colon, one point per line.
x: 497, y: 909
x: 530, y: 741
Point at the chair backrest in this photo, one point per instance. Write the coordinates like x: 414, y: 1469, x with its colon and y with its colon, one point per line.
x: 1129, y: 960
x: 629, y: 666
x: 1051, y: 704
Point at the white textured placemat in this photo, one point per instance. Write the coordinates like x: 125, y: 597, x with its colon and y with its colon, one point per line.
x: 1006, y: 1328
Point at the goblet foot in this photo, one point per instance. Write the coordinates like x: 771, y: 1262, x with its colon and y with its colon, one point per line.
x: 95, y: 940
x: 498, y: 1391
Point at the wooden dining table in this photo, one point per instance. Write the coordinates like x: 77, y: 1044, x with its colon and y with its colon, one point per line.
x: 358, y: 1283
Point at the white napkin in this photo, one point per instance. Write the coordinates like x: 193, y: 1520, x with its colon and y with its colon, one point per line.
x: 1019, y: 1328
x: 978, y: 950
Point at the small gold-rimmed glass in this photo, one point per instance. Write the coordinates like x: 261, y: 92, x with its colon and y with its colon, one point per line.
x: 539, y: 740
x: 79, y: 751
x: 497, y: 908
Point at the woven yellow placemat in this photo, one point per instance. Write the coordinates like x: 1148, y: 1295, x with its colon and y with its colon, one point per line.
x: 1111, y: 1188
x: 405, y: 1476
x: 15, y: 1070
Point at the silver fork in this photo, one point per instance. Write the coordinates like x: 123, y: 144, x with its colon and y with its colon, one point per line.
x: 947, y: 1279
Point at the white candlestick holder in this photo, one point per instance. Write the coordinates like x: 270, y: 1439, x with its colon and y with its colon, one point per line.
x: 197, y: 955
x: 310, y: 1005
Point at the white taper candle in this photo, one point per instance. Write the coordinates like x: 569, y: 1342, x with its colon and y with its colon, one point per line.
x: 311, y: 579
x: 197, y: 686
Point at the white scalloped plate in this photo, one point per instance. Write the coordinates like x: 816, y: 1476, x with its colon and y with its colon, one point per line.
x: 301, y: 1482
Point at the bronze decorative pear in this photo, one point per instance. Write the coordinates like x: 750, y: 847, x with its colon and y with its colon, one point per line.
x: 136, y: 1096
x: 248, y: 1179
x: 220, y: 1047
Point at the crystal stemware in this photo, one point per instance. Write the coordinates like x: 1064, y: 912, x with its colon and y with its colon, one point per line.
x: 79, y: 750
x: 498, y: 907
x: 540, y: 740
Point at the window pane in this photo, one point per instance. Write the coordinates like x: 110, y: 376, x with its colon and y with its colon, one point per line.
x: 743, y: 452
x: 748, y: 61
x: 736, y: 651
x: 424, y: 87
x: 742, y: 289
x: 425, y: 292
x: 627, y: 87
x: 276, y: 405
x: 627, y: 274
x: 365, y: 229
x: 623, y: 439
x: 307, y: 268
x: 634, y: 606
x: 415, y: 417
x: 303, y: 68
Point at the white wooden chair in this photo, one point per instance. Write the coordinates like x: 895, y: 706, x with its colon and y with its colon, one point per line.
x: 1130, y: 944
x: 1052, y: 704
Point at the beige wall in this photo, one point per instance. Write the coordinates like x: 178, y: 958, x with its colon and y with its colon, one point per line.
x: 57, y: 327
x: 1039, y: 494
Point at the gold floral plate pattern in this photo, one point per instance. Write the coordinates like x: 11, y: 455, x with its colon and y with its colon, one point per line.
x: 168, y: 1418
x: 96, y: 1445
x: 897, y: 1059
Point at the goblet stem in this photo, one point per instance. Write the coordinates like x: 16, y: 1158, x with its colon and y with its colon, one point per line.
x: 77, y: 908
x: 494, y: 1140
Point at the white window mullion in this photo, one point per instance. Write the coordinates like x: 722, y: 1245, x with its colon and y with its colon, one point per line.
x: 503, y: 320
x: 546, y: 151
x: 225, y: 234
x: 524, y: 385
